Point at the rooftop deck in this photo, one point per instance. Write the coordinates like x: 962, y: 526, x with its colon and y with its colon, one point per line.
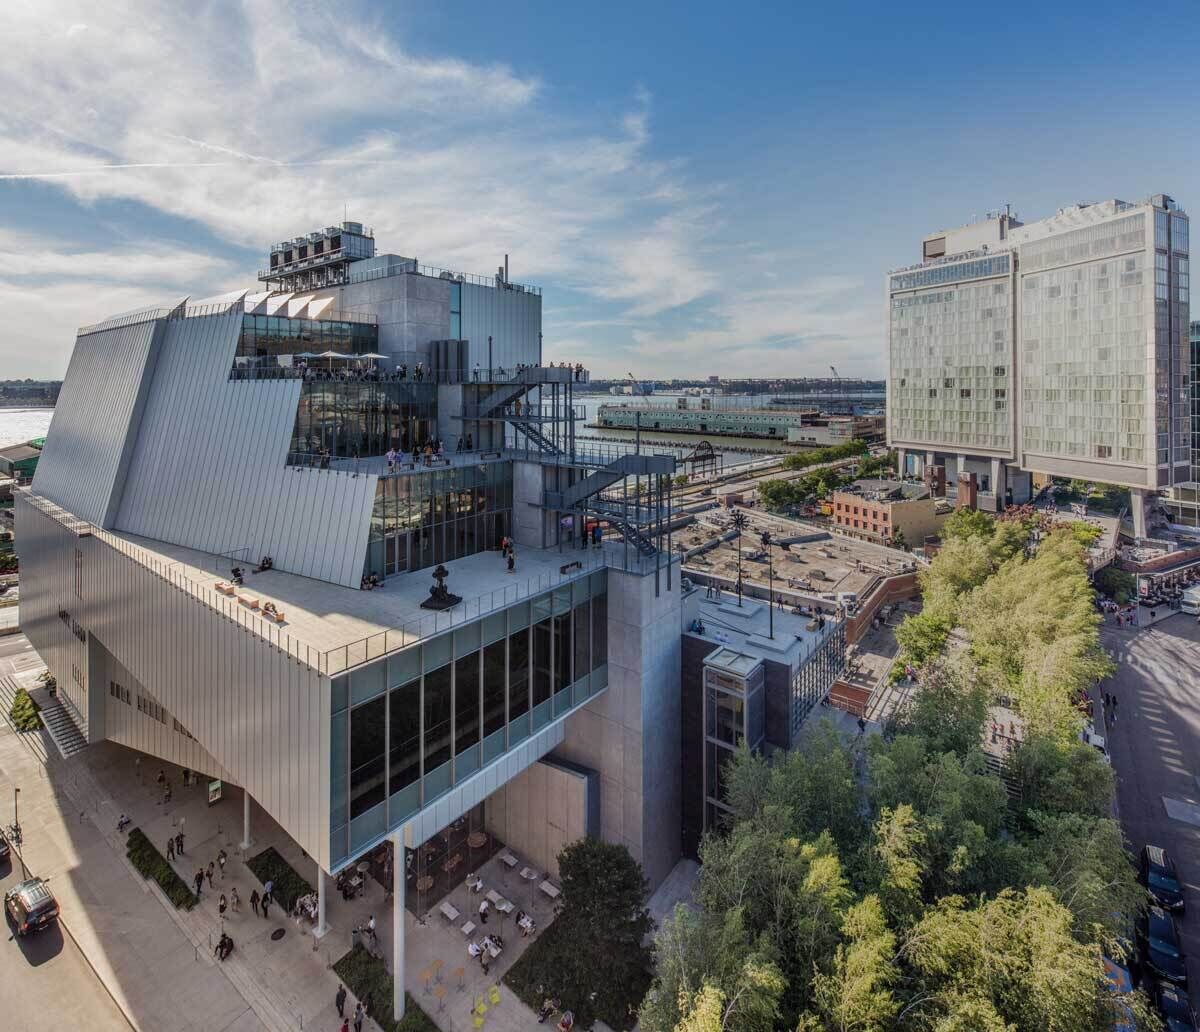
x: 333, y: 628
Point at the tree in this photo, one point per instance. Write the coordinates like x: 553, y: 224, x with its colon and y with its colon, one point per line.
x: 1055, y: 777
x: 967, y: 523
x: 899, y: 540
x: 602, y: 915
x: 1117, y: 584
x: 856, y: 995
x: 709, y: 975
x: 1016, y: 952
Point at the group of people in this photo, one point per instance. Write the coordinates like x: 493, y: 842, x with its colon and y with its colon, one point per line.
x: 370, y: 581
x: 482, y: 949
x: 360, y: 1010
x: 551, y: 1004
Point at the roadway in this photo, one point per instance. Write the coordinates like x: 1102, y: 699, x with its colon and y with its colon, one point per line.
x: 45, y: 982
x: 1154, y: 742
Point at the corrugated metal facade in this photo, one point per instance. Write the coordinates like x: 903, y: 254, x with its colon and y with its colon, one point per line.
x: 95, y: 421
x: 512, y: 318
x: 262, y: 715
x: 209, y: 467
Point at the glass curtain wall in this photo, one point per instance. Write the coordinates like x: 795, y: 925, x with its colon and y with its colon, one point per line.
x: 266, y: 338
x: 353, y: 418
x: 406, y: 729
x: 425, y: 518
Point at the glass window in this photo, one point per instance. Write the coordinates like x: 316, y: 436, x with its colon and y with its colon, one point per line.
x: 437, y: 718
x: 466, y: 702
x: 366, y: 756
x: 562, y: 652
x: 542, y: 674
x: 583, y: 637
x: 725, y: 720
x: 518, y: 673
x: 494, y: 670
x: 599, y: 630
x: 405, y: 756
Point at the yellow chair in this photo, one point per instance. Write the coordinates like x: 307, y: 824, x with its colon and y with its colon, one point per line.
x: 481, y: 1008
x: 494, y: 995
x: 477, y: 1022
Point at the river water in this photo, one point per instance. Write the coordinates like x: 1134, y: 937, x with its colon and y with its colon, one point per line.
x: 18, y: 425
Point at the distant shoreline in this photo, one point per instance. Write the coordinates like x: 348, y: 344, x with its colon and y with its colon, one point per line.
x: 28, y: 408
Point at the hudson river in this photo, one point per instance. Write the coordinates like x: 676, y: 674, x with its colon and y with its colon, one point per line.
x: 22, y: 424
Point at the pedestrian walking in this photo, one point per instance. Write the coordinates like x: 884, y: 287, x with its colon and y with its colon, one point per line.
x: 512, y: 562
x: 266, y: 902
x: 222, y: 905
x: 269, y: 890
x: 209, y: 871
x: 235, y: 901
x: 484, y: 906
x: 254, y: 901
x: 199, y: 880
x: 360, y: 1012
x: 179, y: 844
x: 170, y: 849
x: 345, y: 1025
x: 340, y: 1000
x: 161, y: 779
x: 222, y: 858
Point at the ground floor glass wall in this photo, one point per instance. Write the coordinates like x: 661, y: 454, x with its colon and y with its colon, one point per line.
x: 406, y: 729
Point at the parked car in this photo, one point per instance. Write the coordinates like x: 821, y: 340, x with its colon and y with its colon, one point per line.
x: 4, y: 850
x: 30, y: 906
x: 1174, y: 1006
x: 1121, y: 983
x: 1089, y: 737
x: 1157, y: 872
x: 1158, y: 941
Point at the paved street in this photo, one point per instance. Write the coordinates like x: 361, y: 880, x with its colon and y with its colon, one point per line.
x: 45, y: 981
x: 1155, y: 746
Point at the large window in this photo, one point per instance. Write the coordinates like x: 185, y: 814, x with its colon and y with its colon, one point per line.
x: 344, y: 419
x: 562, y: 652
x: 437, y: 718
x: 518, y: 667
x: 466, y: 702
x: 366, y: 756
x: 405, y: 753
x: 493, y: 687
x: 264, y: 338
x: 542, y: 673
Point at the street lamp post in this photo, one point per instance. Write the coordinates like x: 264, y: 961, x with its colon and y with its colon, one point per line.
x: 16, y: 815
x: 739, y: 522
x: 766, y: 540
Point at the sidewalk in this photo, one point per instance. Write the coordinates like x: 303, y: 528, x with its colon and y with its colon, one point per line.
x: 154, y: 973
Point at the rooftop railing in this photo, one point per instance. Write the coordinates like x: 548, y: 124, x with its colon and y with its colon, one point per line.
x: 576, y: 563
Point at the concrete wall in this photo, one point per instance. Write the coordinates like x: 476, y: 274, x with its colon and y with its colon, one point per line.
x: 891, y: 589
x: 261, y: 715
x: 528, y: 519
x: 539, y: 811
x: 630, y: 734
x: 412, y: 310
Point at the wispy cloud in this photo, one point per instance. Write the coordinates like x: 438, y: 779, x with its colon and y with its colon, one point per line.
x: 258, y: 121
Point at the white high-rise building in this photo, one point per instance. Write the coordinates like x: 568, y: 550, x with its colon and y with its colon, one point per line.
x: 1057, y: 347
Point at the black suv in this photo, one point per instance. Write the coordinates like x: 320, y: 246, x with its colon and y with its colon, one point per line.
x: 1158, y: 939
x: 1174, y: 1006
x: 1157, y: 872
x: 30, y: 906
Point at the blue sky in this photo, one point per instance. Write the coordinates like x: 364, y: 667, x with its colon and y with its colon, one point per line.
x: 699, y: 188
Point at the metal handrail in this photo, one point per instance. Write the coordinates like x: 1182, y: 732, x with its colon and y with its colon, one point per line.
x: 331, y: 662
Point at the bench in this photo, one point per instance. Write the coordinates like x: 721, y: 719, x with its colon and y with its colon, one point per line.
x: 249, y: 601
x: 549, y: 890
x: 449, y: 912
x: 468, y: 928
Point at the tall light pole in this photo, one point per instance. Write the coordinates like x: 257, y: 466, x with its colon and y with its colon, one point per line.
x: 739, y: 522
x: 766, y: 540
x: 16, y: 815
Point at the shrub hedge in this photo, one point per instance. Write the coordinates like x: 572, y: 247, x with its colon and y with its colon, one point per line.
x: 289, y: 886
x: 366, y: 976
x: 151, y: 864
x: 24, y: 712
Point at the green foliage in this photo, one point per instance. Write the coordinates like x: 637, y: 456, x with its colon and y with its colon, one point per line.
x: 857, y: 993
x: 289, y: 886
x: 367, y: 977
x: 9, y: 563
x: 968, y: 523
x: 816, y: 456
x: 151, y: 864
x: 681, y: 480
x: 1052, y: 776
x: 922, y: 636
x: 593, y: 956
x: 878, y: 465
x: 23, y: 713
x: 1118, y: 585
